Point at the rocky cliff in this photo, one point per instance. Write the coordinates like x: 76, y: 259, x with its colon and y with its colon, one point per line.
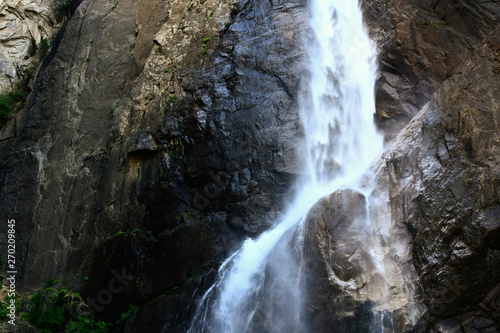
x: 434, y: 210
x: 25, y: 32
x: 160, y: 133
x: 155, y: 126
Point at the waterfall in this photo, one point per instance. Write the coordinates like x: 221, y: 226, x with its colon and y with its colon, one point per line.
x: 258, y: 288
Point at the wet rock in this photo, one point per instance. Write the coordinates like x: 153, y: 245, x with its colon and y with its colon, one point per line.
x: 356, y: 258
x: 448, y: 198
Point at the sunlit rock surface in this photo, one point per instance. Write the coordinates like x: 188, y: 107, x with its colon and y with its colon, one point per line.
x: 23, y: 25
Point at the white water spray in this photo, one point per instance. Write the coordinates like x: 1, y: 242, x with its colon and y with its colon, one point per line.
x: 258, y: 287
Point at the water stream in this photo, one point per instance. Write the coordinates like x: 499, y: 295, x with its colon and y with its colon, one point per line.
x: 258, y: 288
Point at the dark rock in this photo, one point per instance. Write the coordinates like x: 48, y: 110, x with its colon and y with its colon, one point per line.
x: 421, y: 45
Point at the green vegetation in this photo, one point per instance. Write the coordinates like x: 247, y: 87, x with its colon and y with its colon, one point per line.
x: 3, y: 313
x: 62, y: 10
x: 189, y: 280
x: 204, y: 52
x: 210, y: 15
x: 45, y: 310
x: 7, y: 102
x: 83, y: 324
x: 43, y: 48
x: 190, y: 6
x: 49, y: 282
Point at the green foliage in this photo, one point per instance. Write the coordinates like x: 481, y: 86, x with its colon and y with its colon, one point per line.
x: 49, y: 282
x: 193, y: 214
x: 51, y: 319
x: 188, y: 281
x: 126, y: 315
x: 210, y: 15
x: 58, y: 298
x: 205, y: 47
x: 62, y: 10
x: 85, y: 325
x: 7, y: 102
x: 43, y: 48
x: 3, y: 313
x: 35, y: 309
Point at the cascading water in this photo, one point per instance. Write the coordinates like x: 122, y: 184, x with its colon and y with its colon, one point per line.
x: 258, y: 288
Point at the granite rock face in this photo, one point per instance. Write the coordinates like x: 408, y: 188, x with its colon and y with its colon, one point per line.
x: 358, y: 267
x: 435, y: 207
x: 421, y: 44
x: 26, y: 29
x: 159, y: 134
